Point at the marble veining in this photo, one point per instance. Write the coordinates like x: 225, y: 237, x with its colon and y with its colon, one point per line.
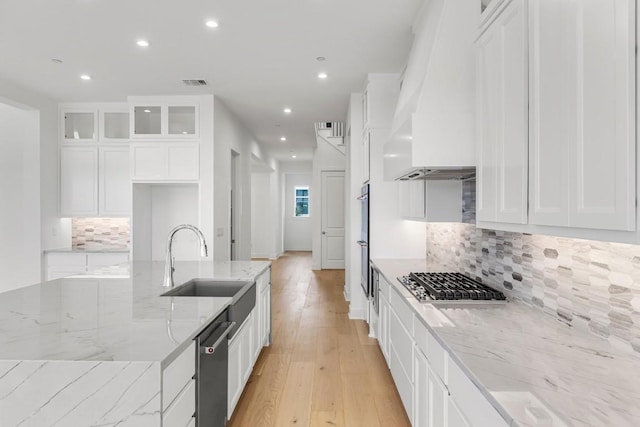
x: 515, y: 350
x: 84, y: 318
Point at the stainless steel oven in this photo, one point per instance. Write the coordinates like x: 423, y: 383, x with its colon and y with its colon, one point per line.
x: 364, y: 240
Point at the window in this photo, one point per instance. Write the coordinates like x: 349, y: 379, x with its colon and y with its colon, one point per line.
x: 302, y: 201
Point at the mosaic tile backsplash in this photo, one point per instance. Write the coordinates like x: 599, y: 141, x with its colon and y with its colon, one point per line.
x: 585, y: 284
x: 97, y: 233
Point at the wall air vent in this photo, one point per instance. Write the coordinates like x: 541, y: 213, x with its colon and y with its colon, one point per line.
x: 195, y: 82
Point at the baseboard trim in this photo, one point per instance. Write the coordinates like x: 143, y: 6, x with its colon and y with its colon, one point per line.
x: 346, y: 295
x: 357, y: 313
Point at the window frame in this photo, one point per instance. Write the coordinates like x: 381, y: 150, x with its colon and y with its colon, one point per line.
x: 296, y: 198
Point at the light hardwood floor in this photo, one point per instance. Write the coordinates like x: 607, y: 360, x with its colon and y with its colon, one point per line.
x: 321, y: 368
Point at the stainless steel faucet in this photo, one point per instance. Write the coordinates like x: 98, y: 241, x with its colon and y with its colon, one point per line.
x: 168, y: 264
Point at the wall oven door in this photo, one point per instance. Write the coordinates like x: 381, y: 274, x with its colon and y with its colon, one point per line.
x: 364, y: 240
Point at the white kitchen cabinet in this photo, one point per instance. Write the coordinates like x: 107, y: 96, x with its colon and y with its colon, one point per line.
x: 582, y: 114
x: 432, y: 201
x: 502, y: 91
x: 60, y: 264
x: 401, y: 349
x: 263, y: 325
x: 78, y: 181
x: 383, y: 325
x: 114, y: 187
x: 165, y: 161
x: 379, y: 100
x: 94, y: 181
x: 114, y: 124
x: 241, y: 362
x: 454, y: 416
x: 178, y: 389
x: 438, y: 400
x: 366, y: 156
x: 79, y: 124
x: 402, y: 380
x: 170, y: 120
x: 420, y: 389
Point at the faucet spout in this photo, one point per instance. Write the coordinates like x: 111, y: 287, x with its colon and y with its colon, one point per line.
x: 169, y: 261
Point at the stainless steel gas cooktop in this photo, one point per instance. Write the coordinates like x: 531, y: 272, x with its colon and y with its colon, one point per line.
x: 450, y: 288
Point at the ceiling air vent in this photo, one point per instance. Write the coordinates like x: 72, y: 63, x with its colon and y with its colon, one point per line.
x: 195, y: 82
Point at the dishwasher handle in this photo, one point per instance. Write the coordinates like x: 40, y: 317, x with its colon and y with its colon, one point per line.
x: 205, y: 349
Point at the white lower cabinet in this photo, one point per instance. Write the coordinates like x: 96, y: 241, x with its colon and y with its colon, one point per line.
x: 240, y: 362
x: 179, y: 390
x: 60, y: 265
x: 454, y: 416
x: 434, y: 391
x: 265, y: 314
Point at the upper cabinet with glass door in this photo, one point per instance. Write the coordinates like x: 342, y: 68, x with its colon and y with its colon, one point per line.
x: 166, y: 120
x: 79, y: 125
x: 114, y: 123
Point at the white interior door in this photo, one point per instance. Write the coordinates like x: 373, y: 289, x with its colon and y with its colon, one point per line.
x: 333, y: 219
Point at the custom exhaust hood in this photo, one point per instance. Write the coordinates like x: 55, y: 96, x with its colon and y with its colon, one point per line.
x: 433, y: 130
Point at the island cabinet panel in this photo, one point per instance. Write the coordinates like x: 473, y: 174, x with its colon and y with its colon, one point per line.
x: 241, y: 362
x: 181, y: 410
x: 178, y: 374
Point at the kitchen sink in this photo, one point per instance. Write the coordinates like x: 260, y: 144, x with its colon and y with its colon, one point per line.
x: 243, y: 295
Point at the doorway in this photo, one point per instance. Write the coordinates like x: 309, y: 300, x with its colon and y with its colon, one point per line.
x: 233, y: 205
x: 332, y: 239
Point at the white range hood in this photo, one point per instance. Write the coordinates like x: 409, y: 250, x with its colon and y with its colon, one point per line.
x: 433, y: 132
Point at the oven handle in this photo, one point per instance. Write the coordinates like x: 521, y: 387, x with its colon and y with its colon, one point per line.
x: 362, y: 243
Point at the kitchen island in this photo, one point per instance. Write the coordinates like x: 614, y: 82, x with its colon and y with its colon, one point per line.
x: 91, y: 350
x: 510, y: 364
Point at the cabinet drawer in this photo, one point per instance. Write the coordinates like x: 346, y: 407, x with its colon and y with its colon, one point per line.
x: 402, y: 309
x: 401, y: 342
x: 402, y: 381
x: 104, y: 260
x: 438, y: 358
x: 178, y: 374
x: 470, y: 400
x: 383, y: 287
x: 66, y: 260
x: 421, y: 337
x: 181, y: 411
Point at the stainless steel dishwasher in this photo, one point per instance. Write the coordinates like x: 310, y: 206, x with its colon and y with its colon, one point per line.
x: 212, y: 372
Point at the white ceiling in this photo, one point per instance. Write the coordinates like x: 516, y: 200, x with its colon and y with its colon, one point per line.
x: 261, y: 59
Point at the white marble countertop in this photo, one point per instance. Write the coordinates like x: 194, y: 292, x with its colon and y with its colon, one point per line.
x: 84, y: 318
x: 515, y: 352
x: 88, y: 250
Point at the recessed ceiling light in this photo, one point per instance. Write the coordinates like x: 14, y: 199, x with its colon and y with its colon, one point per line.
x: 282, y: 138
x: 85, y: 77
x: 147, y: 111
x: 322, y: 76
x: 143, y: 43
x: 287, y: 110
x: 293, y: 156
x: 320, y: 58
x: 212, y: 24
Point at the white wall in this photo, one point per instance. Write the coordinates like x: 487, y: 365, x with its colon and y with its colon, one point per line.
x: 48, y: 231
x: 157, y: 209
x: 353, y: 291
x: 262, y: 223
x: 297, y: 230
x: 325, y: 158
x: 230, y: 133
x: 20, y: 195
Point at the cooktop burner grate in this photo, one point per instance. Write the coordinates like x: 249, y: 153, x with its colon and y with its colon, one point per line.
x: 449, y: 287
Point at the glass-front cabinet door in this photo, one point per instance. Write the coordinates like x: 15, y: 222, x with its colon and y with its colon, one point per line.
x: 147, y: 120
x: 182, y: 120
x: 168, y: 121
x: 115, y: 125
x: 80, y: 125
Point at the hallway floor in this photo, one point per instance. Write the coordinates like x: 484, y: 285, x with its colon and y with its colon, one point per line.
x: 321, y: 368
